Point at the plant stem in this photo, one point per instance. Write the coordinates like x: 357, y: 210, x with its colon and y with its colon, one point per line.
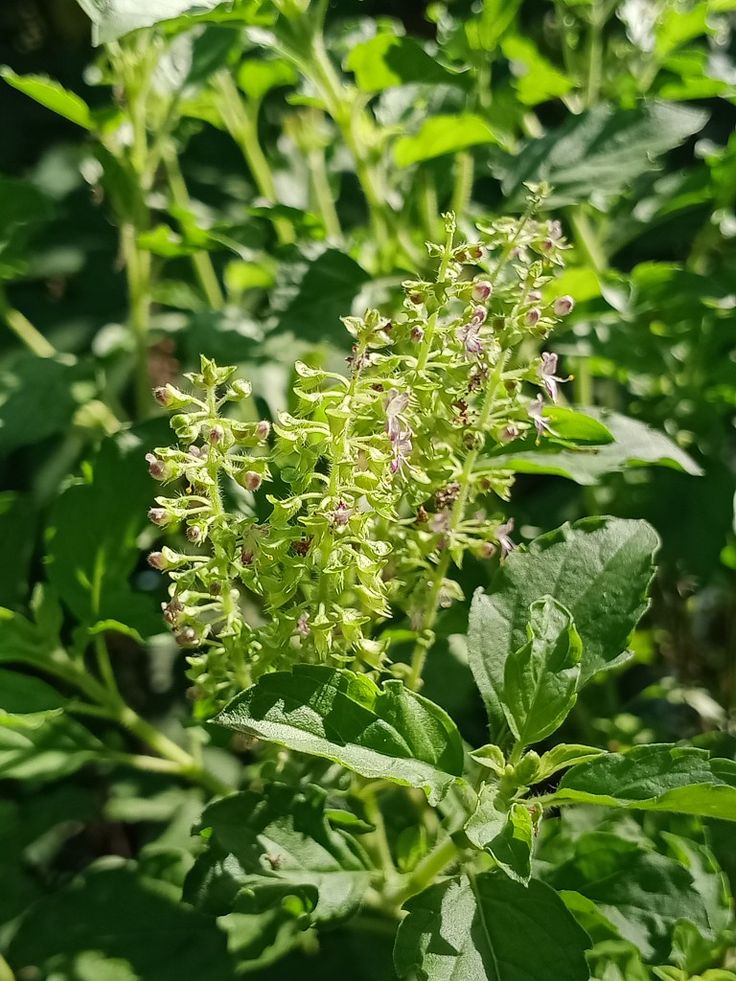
x: 464, y: 171
x: 595, y: 57
x: 138, y: 266
x: 323, y: 193
x: 426, y: 872
x: 201, y: 261
x: 241, y: 120
x: 24, y: 329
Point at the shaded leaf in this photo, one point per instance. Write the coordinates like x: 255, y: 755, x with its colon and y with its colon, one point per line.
x: 601, y: 151
x: 387, y: 60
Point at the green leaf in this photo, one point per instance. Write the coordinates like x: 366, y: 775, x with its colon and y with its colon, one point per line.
x: 18, y: 520
x: 388, y: 733
x: 537, y: 79
x: 112, y: 19
x: 93, y: 546
x: 505, y: 830
x: 563, y: 756
x: 641, y: 893
x: 257, y: 76
x: 540, y: 678
x: 634, y: 444
x: 114, y: 912
x: 278, y: 836
x: 52, y: 95
x: 315, y: 288
x: 598, y: 153
x: 655, y: 778
x: 440, y: 135
x: 387, y: 60
x: 38, y: 398
x: 24, y: 642
x: 44, y: 748
x: 598, y: 569
x: 23, y: 209
x: 22, y: 694
x: 488, y: 928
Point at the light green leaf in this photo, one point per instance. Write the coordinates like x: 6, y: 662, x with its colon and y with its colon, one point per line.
x: 387, y: 60
x: 634, y: 444
x: 488, y: 928
x: 537, y: 79
x: 655, y: 778
x: 598, y: 569
x: 563, y: 756
x: 22, y: 694
x: 33, y: 748
x: 257, y: 76
x: 440, y: 135
x: 599, y: 153
x: 52, y: 95
x: 541, y: 678
x: 388, y: 733
x: 505, y: 830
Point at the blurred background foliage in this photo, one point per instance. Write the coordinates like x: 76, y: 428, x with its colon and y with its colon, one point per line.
x: 255, y: 232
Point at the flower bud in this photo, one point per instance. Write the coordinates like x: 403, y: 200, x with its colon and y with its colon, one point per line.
x: 533, y: 316
x: 216, y: 435
x: 252, y: 480
x: 195, y: 534
x: 156, y: 467
x: 479, y: 315
x: 158, y: 561
x: 246, y: 556
x: 263, y: 429
x: 482, y: 290
x: 159, y: 516
x: 161, y: 395
x: 563, y: 305
x: 186, y: 637
x: 476, y: 252
x: 241, y: 389
x: 416, y: 298
x: 417, y: 334
x: 534, y: 296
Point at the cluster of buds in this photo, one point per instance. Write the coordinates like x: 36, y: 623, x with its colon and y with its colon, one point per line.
x: 386, y: 473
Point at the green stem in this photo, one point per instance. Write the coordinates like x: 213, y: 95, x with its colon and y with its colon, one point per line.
x: 203, y: 268
x: 425, y: 873
x: 586, y: 239
x: 595, y: 58
x: 138, y: 267
x: 463, y: 189
x: 24, y: 329
x: 323, y: 193
x: 428, y: 207
x: 241, y: 120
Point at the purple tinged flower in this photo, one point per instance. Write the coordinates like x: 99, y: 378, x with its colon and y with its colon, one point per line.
x: 216, y: 435
x: 186, y: 637
x: 263, y: 428
x: 252, y: 480
x: 396, y: 402
x: 534, y: 296
x: 563, y: 305
x: 532, y: 317
x: 503, y: 537
x: 195, y: 534
x: 162, y: 396
x: 482, y: 291
x: 479, y: 315
x: 440, y: 522
x: 417, y: 334
x: 536, y: 408
x: 402, y: 447
x: 469, y: 337
x: 340, y: 515
x: 302, y: 625
x: 510, y: 433
x: 159, y: 516
x: 158, y: 561
x: 547, y: 374
x: 156, y: 467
